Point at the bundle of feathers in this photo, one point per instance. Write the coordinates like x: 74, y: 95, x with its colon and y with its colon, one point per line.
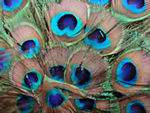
x: 74, y: 56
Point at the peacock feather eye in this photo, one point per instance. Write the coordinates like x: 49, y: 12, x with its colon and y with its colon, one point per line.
x: 99, y: 2
x: 66, y: 23
x: 66, y: 20
x: 97, y: 39
x: 55, y: 98
x: 126, y: 73
x: 5, y: 60
x: 103, y: 32
x: 131, y: 10
x: 32, y: 80
x: 135, y: 6
x: 57, y: 72
x: 56, y: 63
x: 8, y: 3
x: 28, y: 75
x: 25, y: 104
x: 136, y: 104
x: 85, y: 104
x: 136, y: 107
x: 11, y: 5
x: 81, y: 76
x: 30, y: 48
x: 88, y: 72
x: 28, y: 38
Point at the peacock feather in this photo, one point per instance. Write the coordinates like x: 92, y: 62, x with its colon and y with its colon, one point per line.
x: 74, y: 56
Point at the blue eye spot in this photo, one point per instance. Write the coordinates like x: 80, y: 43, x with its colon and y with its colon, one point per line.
x: 55, y: 98
x: 99, y: 2
x: 25, y: 104
x: 81, y: 76
x: 135, y: 6
x: 8, y: 3
x: 126, y: 73
x: 66, y: 23
x: 57, y: 72
x: 135, y: 107
x: 30, y: 48
x: 98, y: 39
x: 5, y: 60
x: 85, y: 104
x: 11, y: 5
x: 32, y: 80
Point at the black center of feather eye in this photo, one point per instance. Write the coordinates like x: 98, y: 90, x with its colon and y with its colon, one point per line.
x: 27, y: 45
x: 67, y: 20
x: 57, y: 71
x: 23, y: 103
x: 129, y: 72
x: 8, y: 3
x: 83, y: 75
x: 88, y: 104
x: 98, y: 35
x: 30, y: 78
x: 56, y: 100
x: 139, y: 3
x: 138, y: 108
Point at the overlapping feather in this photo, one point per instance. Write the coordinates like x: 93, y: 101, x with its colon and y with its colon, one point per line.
x: 67, y: 56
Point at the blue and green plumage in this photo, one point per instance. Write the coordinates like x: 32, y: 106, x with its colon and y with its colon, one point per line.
x: 31, y: 46
x: 80, y: 76
x: 11, y: 5
x: 66, y: 23
x: 32, y: 80
x: 126, y: 73
x: 27, y: 101
x: 74, y: 56
x: 54, y: 98
x: 135, y: 6
x: 100, y: 39
x: 57, y: 72
x: 99, y: 2
x: 136, y: 106
x: 85, y: 104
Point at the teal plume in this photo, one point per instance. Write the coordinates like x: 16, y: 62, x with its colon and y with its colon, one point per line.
x: 74, y: 56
